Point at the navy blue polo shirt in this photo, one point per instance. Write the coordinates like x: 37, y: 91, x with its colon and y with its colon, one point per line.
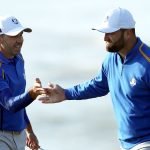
x: 13, y: 98
x: 128, y: 82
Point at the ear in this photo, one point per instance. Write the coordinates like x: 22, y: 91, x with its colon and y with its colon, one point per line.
x: 128, y: 34
x: 0, y: 38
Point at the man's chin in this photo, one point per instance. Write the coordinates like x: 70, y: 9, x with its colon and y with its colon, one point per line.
x: 111, y: 50
x: 16, y: 53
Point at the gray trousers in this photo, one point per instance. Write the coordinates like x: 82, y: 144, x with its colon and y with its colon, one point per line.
x: 10, y: 140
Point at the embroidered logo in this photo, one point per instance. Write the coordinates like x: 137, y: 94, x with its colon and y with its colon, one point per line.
x: 15, y: 21
x: 133, y: 82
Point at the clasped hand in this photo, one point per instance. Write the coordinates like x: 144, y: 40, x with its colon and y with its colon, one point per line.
x: 51, y: 94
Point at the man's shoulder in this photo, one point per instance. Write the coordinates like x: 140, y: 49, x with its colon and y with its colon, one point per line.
x: 145, y: 51
x: 110, y: 57
x: 19, y: 56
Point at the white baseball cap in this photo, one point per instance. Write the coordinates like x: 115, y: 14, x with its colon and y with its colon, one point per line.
x: 116, y: 19
x: 10, y: 25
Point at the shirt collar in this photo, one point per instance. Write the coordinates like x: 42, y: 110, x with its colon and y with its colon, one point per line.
x: 5, y: 60
x: 133, y: 51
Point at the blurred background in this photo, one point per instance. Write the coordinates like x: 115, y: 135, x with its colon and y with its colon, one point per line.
x: 63, y: 49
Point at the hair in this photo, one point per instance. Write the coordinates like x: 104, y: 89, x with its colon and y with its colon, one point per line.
x: 133, y: 30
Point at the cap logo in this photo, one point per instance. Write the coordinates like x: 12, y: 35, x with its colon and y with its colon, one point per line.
x: 15, y: 21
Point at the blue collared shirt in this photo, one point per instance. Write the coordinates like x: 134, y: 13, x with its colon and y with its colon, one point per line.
x: 13, y: 98
x: 128, y: 82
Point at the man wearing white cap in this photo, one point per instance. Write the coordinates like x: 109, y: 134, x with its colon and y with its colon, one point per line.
x: 125, y: 73
x: 13, y: 98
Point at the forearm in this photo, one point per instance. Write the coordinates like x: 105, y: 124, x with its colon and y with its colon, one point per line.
x: 90, y: 89
x: 16, y: 103
x: 31, y: 141
x: 29, y: 128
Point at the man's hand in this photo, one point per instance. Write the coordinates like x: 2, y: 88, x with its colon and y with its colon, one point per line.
x: 37, y: 89
x: 54, y: 94
x: 32, y: 141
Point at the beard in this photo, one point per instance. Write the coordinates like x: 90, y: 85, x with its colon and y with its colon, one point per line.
x: 115, y: 46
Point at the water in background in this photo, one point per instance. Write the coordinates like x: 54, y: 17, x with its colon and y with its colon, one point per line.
x: 63, y: 49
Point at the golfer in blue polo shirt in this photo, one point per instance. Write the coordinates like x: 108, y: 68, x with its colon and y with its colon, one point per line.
x: 13, y: 98
x: 125, y: 74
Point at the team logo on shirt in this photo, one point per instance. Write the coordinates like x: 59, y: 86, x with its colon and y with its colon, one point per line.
x: 133, y: 82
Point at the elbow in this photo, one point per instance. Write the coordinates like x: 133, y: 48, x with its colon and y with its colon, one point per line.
x: 12, y: 108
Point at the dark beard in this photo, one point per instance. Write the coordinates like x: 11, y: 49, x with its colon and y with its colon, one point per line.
x: 112, y: 49
x: 117, y: 46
